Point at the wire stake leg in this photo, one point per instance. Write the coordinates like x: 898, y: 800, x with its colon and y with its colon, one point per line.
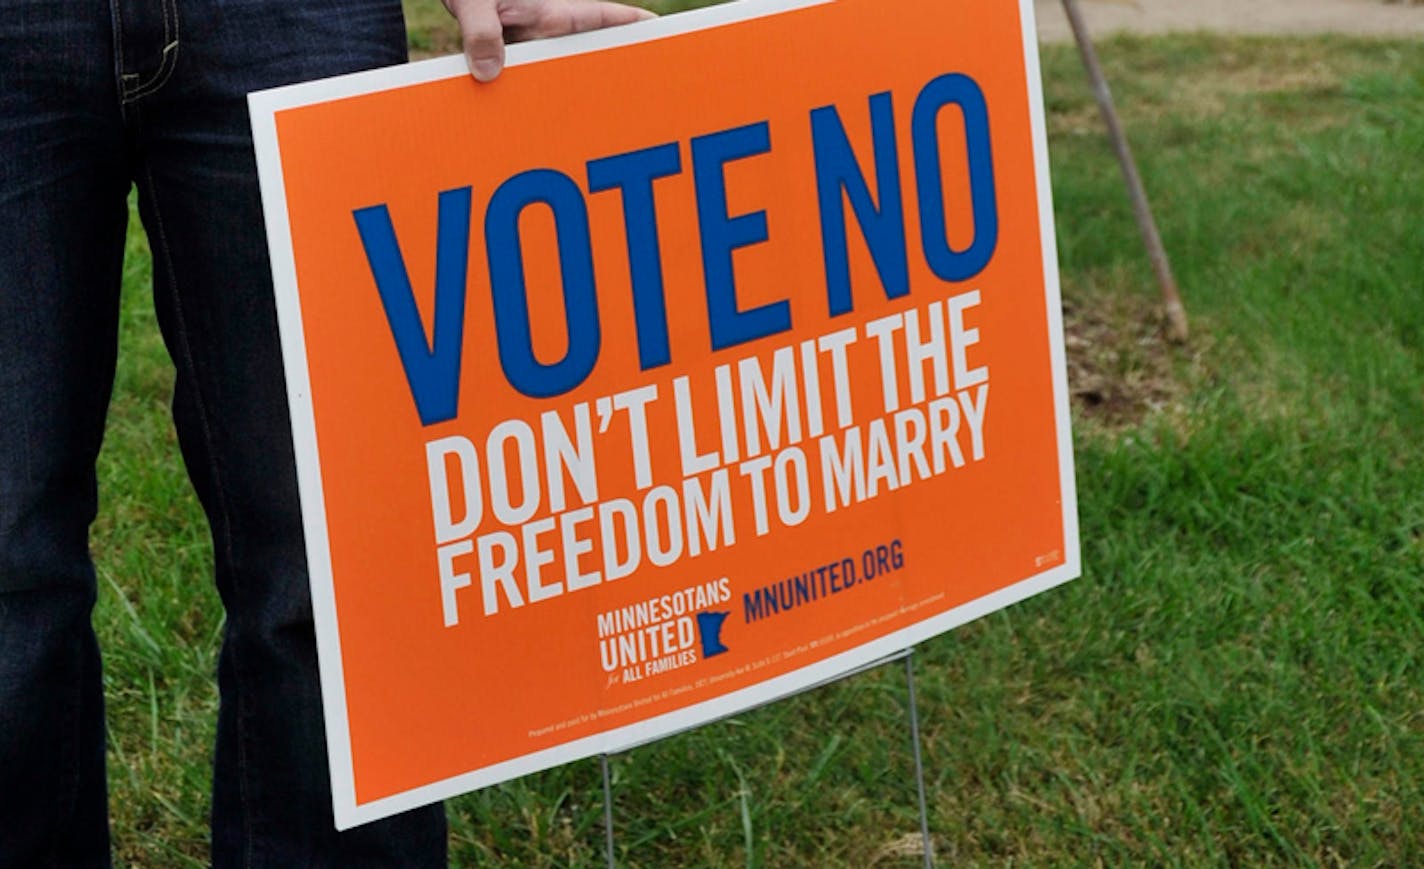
x: 607, y: 811
x: 919, y: 762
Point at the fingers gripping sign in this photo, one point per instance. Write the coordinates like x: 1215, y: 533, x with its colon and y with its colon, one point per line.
x: 486, y: 25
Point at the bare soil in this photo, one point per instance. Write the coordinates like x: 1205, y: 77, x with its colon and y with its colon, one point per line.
x: 1264, y: 17
x: 1120, y: 369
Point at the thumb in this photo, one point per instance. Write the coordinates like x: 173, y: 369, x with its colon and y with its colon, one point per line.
x: 481, y: 36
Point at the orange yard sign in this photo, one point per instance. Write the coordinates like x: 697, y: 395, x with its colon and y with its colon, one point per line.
x: 687, y: 365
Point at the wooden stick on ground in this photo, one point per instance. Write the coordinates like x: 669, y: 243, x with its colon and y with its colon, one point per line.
x: 1171, y: 299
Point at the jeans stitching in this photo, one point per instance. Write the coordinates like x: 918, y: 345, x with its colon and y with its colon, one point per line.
x: 185, y: 350
x: 172, y: 30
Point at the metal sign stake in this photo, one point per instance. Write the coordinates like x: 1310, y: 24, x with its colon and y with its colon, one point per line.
x: 607, y: 811
x: 909, y: 657
x: 919, y: 762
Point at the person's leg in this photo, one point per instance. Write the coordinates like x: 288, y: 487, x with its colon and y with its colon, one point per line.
x: 200, y: 205
x: 63, y: 182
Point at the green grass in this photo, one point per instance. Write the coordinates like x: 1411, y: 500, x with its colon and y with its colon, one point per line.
x: 1238, y: 678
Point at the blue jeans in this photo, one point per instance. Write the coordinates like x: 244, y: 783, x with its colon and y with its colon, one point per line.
x: 96, y: 97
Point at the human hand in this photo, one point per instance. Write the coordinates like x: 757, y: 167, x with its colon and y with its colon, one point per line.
x: 486, y: 25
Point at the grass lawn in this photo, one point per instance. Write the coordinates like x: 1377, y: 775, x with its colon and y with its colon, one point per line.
x: 1239, y: 675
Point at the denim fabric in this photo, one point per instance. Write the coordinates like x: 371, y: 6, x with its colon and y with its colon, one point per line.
x: 96, y: 97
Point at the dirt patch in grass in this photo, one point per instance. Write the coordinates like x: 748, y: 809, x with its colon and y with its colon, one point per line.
x: 1120, y: 367
x: 1212, y: 96
x: 1262, y: 17
x: 430, y: 30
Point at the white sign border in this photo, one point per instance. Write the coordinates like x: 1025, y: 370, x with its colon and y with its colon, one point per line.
x: 264, y: 106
